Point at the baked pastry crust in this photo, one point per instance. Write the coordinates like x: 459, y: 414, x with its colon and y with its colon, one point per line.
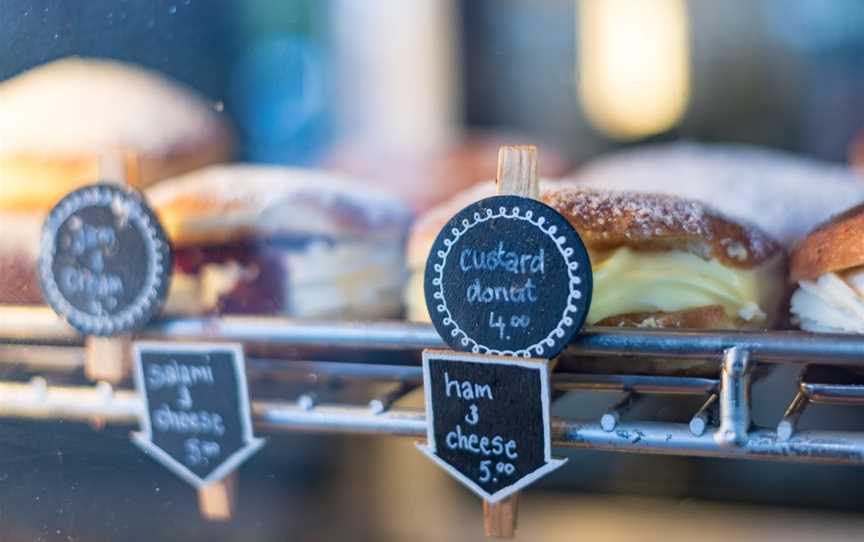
x: 708, y: 317
x: 257, y: 239
x: 58, y: 120
x: 608, y: 219
x: 835, y: 245
x: 785, y: 194
x: 228, y: 203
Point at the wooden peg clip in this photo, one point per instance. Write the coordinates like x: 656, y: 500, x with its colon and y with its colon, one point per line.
x: 517, y: 171
x: 517, y: 176
x: 499, y: 519
x: 538, y: 239
x: 216, y: 500
x: 109, y: 358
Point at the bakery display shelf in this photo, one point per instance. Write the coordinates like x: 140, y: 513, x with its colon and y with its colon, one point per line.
x: 720, y: 427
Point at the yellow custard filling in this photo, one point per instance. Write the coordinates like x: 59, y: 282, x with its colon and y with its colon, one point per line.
x: 628, y: 281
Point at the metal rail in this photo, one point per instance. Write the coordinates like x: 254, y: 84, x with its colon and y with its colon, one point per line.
x: 773, y: 346
x: 36, y: 400
x: 39, y: 325
x: 721, y: 427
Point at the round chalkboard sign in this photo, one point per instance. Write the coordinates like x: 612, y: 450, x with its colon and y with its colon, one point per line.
x: 509, y: 276
x: 104, y: 261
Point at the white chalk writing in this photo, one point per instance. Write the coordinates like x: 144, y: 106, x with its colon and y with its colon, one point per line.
x: 171, y: 421
x: 466, y: 389
x: 500, y: 258
x: 166, y: 375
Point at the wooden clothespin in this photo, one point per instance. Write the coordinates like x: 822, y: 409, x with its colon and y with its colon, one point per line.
x: 507, y: 284
x: 109, y: 358
x: 216, y: 500
x: 517, y: 176
x: 206, y: 457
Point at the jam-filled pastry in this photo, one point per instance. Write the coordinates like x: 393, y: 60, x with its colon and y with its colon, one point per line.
x: 254, y: 239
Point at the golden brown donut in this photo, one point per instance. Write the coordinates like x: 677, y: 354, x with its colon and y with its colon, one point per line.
x: 609, y: 220
x: 835, y: 245
x: 658, y: 261
x: 59, y: 119
x: 827, y: 266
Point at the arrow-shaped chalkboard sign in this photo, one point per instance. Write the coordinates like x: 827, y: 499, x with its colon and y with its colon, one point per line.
x: 196, y: 419
x: 488, y: 420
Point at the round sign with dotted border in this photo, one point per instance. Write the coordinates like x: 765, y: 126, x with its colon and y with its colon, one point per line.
x: 508, y: 276
x: 104, y: 260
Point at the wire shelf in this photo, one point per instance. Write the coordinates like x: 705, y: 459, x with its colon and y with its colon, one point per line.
x: 37, y: 340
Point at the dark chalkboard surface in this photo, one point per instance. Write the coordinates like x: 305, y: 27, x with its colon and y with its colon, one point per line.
x: 508, y: 276
x: 104, y: 262
x: 488, y: 420
x: 197, y: 418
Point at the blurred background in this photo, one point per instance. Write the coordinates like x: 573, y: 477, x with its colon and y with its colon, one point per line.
x: 340, y: 83
x: 417, y: 96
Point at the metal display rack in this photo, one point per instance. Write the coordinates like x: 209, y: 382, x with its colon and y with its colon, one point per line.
x: 44, y: 348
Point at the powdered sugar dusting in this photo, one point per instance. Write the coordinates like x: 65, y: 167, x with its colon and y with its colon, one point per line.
x: 624, y: 216
x: 609, y: 217
x: 265, y: 189
x: 647, y: 215
x: 76, y: 105
x: 783, y: 194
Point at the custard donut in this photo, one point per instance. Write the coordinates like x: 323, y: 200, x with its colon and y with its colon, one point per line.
x: 658, y: 261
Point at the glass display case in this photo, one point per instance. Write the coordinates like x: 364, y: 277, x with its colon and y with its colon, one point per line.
x: 344, y: 270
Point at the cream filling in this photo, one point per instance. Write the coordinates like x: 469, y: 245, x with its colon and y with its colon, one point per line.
x: 351, y: 281
x: 832, y: 303
x: 184, y: 295
x: 414, y: 298
x: 628, y: 281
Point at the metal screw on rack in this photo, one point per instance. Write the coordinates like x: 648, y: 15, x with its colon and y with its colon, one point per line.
x: 40, y: 388
x: 383, y: 402
x: 734, y: 398
x: 308, y: 400
x: 611, y: 417
x: 787, y: 425
x: 703, y: 417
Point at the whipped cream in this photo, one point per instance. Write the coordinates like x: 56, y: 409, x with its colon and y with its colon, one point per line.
x: 349, y: 280
x: 830, y: 304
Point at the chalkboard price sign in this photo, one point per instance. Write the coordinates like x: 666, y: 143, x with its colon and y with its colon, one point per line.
x: 196, y: 418
x: 104, y: 262
x: 508, y: 276
x: 488, y: 420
